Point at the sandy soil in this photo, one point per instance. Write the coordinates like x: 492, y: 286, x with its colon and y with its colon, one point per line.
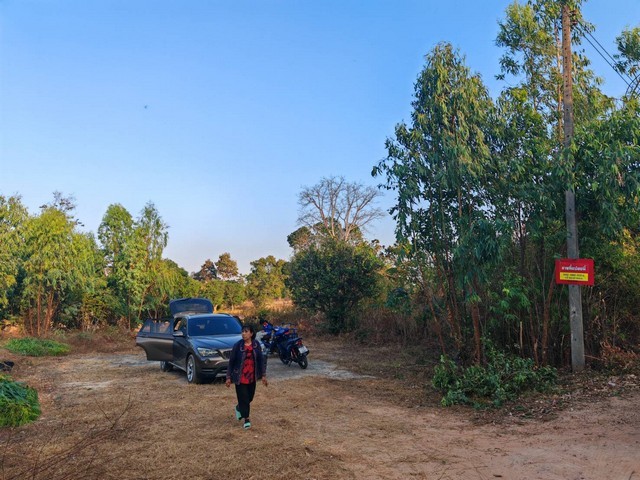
x: 115, y: 415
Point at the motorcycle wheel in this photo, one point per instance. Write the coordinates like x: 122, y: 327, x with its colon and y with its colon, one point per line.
x: 303, y: 362
x: 283, y: 357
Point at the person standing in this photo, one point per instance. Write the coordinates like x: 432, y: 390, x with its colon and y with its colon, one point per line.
x: 247, y: 365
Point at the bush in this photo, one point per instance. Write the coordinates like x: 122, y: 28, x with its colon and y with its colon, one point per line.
x: 18, y: 403
x: 504, y: 378
x: 37, y: 347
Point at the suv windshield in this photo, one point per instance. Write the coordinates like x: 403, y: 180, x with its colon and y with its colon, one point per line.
x: 214, y: 325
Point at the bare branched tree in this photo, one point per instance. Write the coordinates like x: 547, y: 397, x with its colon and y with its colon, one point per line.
x: 340, y: 209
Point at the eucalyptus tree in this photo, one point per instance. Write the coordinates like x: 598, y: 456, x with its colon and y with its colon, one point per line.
x: 608, y: 195
x: 532, y: 165
x: 436, y: 165
x: 628, y: 58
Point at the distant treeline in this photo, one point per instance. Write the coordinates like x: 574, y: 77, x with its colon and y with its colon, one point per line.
x: 52, y: 275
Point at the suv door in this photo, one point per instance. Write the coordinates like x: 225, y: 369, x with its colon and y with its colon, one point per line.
x: 156, y: 339
x: 180, y: 342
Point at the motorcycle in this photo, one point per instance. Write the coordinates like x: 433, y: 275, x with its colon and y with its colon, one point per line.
x: 291, y: 349
x: 284, y: 341
x: 271, y: 337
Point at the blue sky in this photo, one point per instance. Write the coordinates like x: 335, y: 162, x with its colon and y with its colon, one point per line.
x: 219, y: 112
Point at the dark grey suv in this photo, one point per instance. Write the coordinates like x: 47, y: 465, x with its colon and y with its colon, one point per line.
x: 198, y: 343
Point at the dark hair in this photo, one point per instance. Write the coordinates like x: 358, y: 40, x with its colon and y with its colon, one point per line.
x: 249, y: 327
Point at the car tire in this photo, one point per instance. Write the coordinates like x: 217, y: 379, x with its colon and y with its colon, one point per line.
x: 193, y: 373
x: 165, y: 366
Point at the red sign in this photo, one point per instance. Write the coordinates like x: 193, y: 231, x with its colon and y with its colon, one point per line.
x: 575, y: 271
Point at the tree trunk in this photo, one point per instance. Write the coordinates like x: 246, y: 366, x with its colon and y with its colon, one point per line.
x: 475, y: 316
x: 51, y: 308
x: 455, y: 311
x: 545, y: 321
x: 38, y: 312
x: 436, y: 323
x: 534, y: 339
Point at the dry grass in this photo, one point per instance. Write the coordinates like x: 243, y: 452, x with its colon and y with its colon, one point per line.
x: 69, y: 451
x: 113, y: 415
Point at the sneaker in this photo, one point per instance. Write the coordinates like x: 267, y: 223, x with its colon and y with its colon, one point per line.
x: 238, y: 416
x: 247, y: 425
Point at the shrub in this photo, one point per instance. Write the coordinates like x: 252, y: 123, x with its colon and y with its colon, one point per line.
x: 37, y: 347
x: 616, y: 359
x: 18, y: 403
x: 504, y: 378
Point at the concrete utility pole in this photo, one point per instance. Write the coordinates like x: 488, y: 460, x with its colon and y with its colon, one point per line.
x: 575, y: 299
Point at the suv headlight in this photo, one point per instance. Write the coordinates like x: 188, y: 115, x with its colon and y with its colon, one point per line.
x: 207, y: 352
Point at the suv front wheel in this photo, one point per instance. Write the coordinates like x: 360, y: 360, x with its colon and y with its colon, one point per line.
x: 193, y: 374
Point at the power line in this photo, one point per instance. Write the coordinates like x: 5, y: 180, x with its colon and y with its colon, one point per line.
x: 588, y: 37
x: 585, y: 30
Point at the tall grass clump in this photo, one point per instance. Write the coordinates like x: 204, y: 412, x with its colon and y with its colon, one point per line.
x: 37, y: 347
x: 18, y: 403
x: 504, y: 378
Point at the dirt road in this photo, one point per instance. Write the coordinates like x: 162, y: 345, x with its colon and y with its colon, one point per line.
x: 118, y: 416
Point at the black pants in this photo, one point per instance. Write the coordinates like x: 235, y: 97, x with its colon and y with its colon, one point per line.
x: 245, y: 393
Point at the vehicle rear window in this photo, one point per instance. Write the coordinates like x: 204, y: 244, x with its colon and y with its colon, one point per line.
x: 156, y: 326
x: 214, y: 326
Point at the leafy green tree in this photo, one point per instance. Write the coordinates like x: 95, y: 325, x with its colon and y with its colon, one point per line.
x: 227, y: 267
x: 607, y: 173
x: 171, y: 281
x: 333, y: 279
x: 87, y: 307
x: 57, y: 264
x: 116, y: 235
x: 13, y: 221
x: 234, y: 293
x: 207, y: 272
x: 114, y: 232
x: 628, y: 56
x: 266, y: 280
x: 300, y: 239
x: 133, y: 251
x: 150, y: 239
x: 214, y: 290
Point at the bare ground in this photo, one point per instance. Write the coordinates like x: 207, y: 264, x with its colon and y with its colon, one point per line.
x: 115, y: 415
